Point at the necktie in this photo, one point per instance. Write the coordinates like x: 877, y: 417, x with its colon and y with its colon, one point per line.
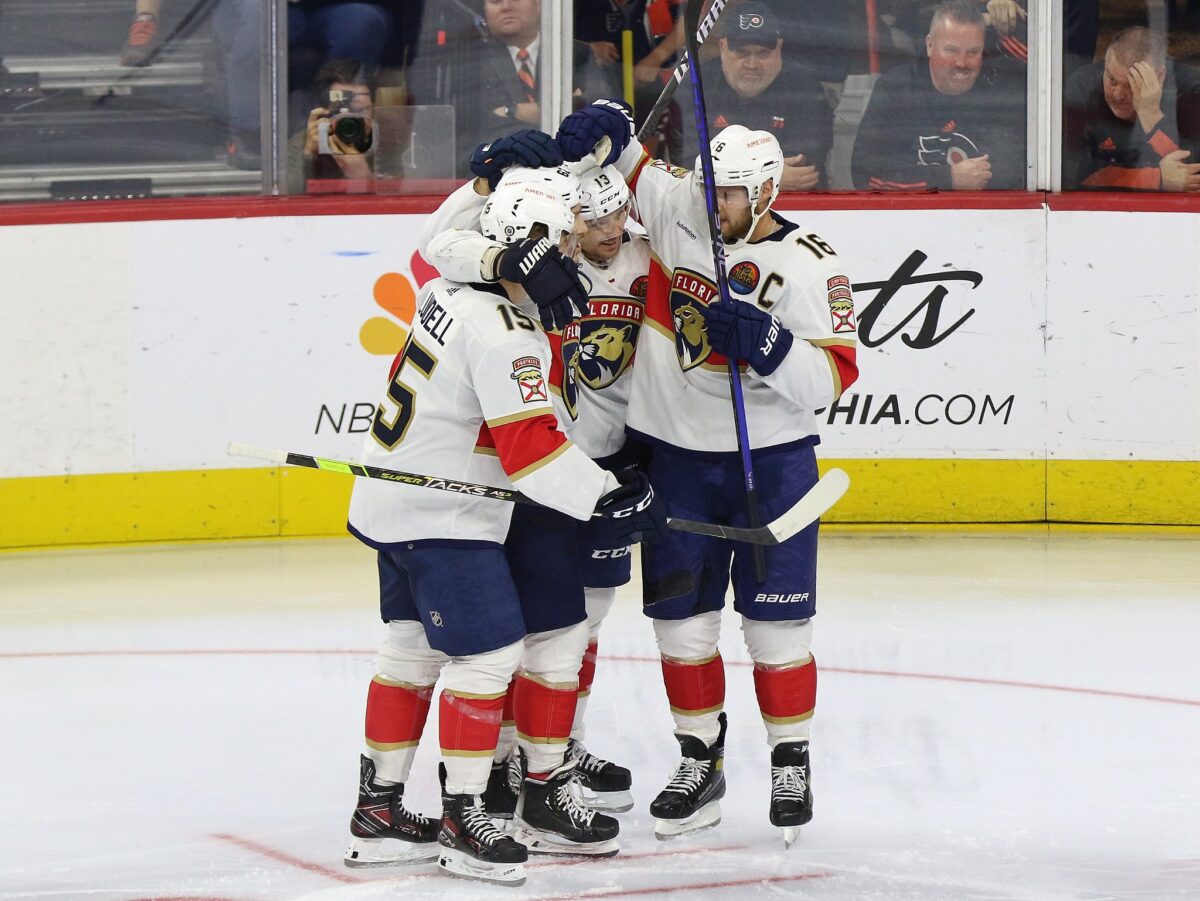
x: 526, y: 75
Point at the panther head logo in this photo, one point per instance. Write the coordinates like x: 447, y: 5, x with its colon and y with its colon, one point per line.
x: 604, y: 353
x: 691, y: 337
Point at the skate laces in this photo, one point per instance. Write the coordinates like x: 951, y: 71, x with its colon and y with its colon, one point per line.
x: 480, y: 825
x: 688, y: 775
x: 570, y: 804
x: 788, y: 782
x: 584, y: 759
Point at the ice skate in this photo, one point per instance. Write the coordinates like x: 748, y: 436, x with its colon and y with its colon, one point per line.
x: 504, y: 786
x: 551, y: 819
x: 472, y: 847
x: 383, y: 833
x: 690, y: 802
x: 791, y: 789
x: 605, y: 785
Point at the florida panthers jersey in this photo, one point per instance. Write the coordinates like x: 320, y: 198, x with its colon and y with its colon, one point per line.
x: 468, y: 401
x: 591, y: 372
x: 681, y: 392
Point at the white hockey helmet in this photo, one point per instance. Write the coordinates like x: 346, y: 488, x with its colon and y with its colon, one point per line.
x: 745, y: 158
x: 529, y: 197
x: 604, y: 192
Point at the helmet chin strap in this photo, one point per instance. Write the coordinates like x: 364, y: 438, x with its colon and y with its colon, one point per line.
x: 754, y: 220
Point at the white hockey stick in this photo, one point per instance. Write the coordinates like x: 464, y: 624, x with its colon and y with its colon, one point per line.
x: 803, y: 513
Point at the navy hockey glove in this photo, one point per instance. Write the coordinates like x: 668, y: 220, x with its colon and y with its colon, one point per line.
x: 636, y: 513
x: 741, y: 331
x: 550, y: 279
x: 527, y: 147
x: 583, y: 129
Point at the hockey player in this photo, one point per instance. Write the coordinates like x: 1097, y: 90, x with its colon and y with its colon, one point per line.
x: 468, y: 400
x: 790, y: 321
x: 590, y: 378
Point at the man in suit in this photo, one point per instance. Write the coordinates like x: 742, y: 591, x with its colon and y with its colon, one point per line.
x: 496, y: 88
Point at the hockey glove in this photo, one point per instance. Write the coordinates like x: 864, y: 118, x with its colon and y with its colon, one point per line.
x: 550, y: 279
x: 634, y: 510
x: 527, y: 147
x: 741, y: 331
x: 583, y: 129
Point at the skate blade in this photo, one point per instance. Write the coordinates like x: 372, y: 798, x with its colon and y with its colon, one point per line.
x: 706, y: 817
x: 463, y: 866
x: 539, y: 842
x: 372, y: 852
x: 790, y: 834
x: 613, y: 802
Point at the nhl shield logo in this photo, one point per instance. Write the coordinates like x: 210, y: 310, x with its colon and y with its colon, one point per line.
x: 435, y: 618
x: 609, y: 335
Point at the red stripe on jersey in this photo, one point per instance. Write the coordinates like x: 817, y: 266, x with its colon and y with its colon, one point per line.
x: 469, y: 724
x: 632, y: 180
x: 508, y: 719
x: 1162, y: 143
x: 788, y: 692
x: 587, y: 670
x: 1147, y: 178
x: 878, y: 184
x: 694, y: 688
x: 522, y: 443
x: 846, y: 361
x: 485, y: 439
x: 396, y: 713
x: 544, y: 714
x: 556, y: 358
x: 658, y: 297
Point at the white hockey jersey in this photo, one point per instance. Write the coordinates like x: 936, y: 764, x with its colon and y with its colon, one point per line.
x: 681, y: 392
x: 591, y: 373
x: 468, y: 401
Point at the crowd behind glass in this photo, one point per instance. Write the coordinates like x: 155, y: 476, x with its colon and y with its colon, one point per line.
x: 160, y: 97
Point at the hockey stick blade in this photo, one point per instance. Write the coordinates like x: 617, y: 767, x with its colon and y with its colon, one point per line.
x: 761, y: 535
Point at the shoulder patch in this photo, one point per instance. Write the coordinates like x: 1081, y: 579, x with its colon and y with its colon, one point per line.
x: 640, y: 286
x: 527, y: 372
x: 841, y: 304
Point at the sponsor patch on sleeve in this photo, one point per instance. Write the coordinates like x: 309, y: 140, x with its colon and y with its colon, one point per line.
x: 527, y: 372
x: 841, y: 304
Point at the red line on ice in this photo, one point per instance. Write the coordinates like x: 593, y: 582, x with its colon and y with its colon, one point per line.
x: 937, y: 677
x: 284, y: 857
x: 689, y: 887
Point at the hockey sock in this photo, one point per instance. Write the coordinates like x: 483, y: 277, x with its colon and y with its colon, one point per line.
x: 696, y: 692
x: 469, y: 729
x: 544, y: 712
x: 587, y: 673
x: 396, y: 713
x: 787, y: 696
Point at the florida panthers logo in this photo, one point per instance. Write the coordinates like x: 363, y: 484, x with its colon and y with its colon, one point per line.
x: 690, y: 293
x: 945, y: 149
x: 567, y: 381
x: 607, y: 340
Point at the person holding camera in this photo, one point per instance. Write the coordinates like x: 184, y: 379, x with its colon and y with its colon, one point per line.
x: 337, y: 143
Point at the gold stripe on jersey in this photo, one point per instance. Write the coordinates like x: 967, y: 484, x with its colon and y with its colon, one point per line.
x: 785, y: 720
x: 396, y: 683
x: 556, y: 686
x: 518, y: 417
x: 776, y: 667
x: 698, y: 661
x: 449, y: 752
x: 684, y: 712
x: 474, y: 697
x: 389, y: 745
x: 541, y: 739
x: 538, y: 464
x: 488, y: 451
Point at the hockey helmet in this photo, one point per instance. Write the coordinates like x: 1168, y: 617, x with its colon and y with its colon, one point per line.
x: 604, y: 192
x: 745, y: 158
x: 529, y: 197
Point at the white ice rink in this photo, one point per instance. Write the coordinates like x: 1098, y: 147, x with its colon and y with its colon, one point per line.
x: 1000, y: 716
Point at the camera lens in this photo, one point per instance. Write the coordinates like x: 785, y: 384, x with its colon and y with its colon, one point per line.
x: 350, y: 129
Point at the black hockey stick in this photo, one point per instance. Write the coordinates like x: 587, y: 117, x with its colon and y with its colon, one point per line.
x: 680, y: 72
x: 691, y: 25
x: 803, y: 513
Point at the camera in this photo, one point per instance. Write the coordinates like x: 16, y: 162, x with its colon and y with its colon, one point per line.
x: 350, y: 128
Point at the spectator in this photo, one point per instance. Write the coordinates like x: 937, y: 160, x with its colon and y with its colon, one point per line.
x: 945, y: 121
x: 1123, y: 117
x: 337, y: 30
x: 497, y: 85
x: 341, y: 84
x: 761, y: 90
x: 657, y: 37
x: 142, y: 43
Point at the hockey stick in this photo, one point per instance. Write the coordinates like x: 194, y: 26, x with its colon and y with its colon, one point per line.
x: 803, y: 513
x: 680, y: 72
x: 691, y: 25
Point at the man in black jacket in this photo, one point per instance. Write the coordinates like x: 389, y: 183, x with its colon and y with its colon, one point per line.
x: 947, y: 121
x: 761, y: 89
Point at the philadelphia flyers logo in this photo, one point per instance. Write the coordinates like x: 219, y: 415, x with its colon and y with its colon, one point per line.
x: 750, y: 20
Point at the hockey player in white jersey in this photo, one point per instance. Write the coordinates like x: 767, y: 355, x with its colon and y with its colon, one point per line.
x: 590, y: 377
x: 790, y: 324
x: 468, y: 400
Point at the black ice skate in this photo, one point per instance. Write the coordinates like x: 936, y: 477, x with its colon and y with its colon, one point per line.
x: 504, y: 786
x: 791, y: 789
x: 606, y: 785
x: 551, y: 820
x: 383, y: 832
x: 472, y: 847
x: 690, y: 802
